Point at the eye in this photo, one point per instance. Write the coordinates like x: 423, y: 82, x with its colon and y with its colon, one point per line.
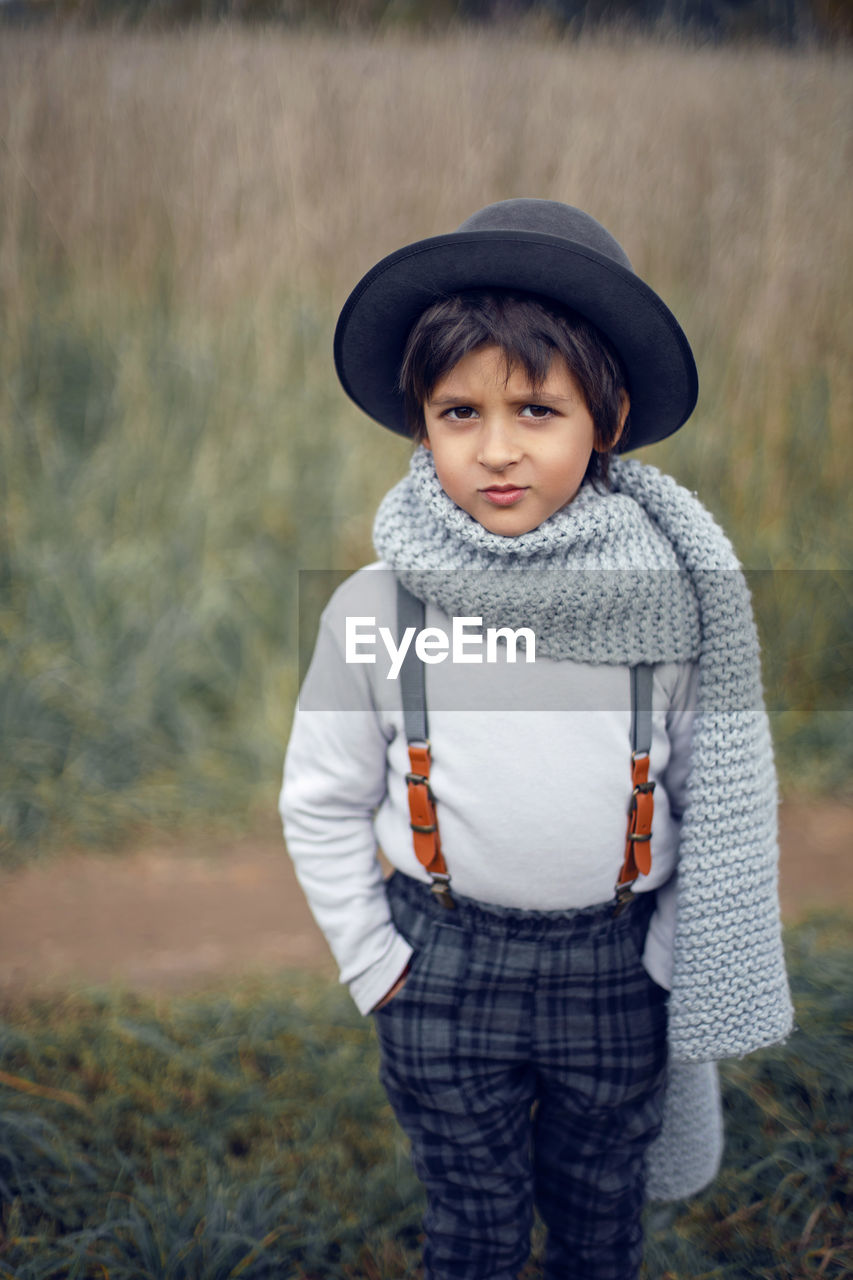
x: 537, y: 411
x: 460, y: 413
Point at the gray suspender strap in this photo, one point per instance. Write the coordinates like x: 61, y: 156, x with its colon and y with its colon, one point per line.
x: 410, y: 613
x: 641, y: 709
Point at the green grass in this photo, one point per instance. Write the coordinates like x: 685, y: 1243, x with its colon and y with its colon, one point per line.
x: 245, y: 1134
x: 160, y: 494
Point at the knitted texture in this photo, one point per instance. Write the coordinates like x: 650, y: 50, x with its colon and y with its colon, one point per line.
x: 617, y: 596
x: 646, y: 575
x: 686, y: 1155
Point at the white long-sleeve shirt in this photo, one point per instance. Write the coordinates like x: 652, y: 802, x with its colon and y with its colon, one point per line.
x: 530, y: 769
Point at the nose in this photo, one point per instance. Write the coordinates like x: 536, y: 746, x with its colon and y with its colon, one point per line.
x: 499, y: 447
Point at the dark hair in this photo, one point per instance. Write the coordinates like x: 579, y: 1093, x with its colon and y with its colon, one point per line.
x: 529, y: 330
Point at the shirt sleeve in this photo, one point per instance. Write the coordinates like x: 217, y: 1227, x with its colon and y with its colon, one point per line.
x: 334, y: 778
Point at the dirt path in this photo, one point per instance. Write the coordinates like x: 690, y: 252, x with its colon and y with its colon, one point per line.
x: 185, y: 916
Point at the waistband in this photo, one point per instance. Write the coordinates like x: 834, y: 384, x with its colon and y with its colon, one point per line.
x: 517, y: 922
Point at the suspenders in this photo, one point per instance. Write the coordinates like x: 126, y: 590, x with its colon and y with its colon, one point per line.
x: 427, y: 842
x: 638, y: 840
x: 424, y: 822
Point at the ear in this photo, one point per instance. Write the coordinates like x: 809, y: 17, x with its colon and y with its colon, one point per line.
x: 624, y: 409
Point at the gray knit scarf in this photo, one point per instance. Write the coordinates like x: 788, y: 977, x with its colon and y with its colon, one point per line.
x: 599, y: 581
x: 644, y: 575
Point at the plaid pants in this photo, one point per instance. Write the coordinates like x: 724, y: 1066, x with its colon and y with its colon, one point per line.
x: 525, y: 1059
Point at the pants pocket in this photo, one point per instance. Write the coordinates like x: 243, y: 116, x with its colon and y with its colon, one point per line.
x: 423, y: 945
x: 417, y: 1030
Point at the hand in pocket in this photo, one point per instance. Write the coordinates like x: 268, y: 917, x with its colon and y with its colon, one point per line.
x: 398, y: 986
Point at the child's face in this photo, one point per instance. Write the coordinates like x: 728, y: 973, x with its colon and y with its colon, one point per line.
x: 507, y: 454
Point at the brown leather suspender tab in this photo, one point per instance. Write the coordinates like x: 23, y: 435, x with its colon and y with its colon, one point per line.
x: 424, y: 823
x: 422, y: 810
x: 638, y: 843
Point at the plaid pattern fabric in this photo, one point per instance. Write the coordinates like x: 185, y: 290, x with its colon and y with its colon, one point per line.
x: 525, y: 1058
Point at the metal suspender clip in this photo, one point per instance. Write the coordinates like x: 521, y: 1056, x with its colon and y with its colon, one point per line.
x: 441, y: 888
x: 624, y: 898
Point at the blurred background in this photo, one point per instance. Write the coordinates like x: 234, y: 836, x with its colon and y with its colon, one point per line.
x: 185, y: 205
x: 188, y: 191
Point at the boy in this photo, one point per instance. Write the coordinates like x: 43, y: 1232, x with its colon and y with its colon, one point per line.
x: 531, y: 1046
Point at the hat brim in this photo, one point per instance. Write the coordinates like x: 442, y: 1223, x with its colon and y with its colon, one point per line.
x: 376, y: 320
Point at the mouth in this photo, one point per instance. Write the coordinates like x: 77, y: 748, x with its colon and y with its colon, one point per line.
x: 503, y: 495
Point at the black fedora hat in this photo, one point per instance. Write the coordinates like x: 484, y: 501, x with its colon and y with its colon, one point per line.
x: 541, y: 247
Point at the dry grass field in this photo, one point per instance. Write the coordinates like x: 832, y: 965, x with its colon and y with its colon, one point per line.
x: 256, y: 165
x: 181, y: 216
